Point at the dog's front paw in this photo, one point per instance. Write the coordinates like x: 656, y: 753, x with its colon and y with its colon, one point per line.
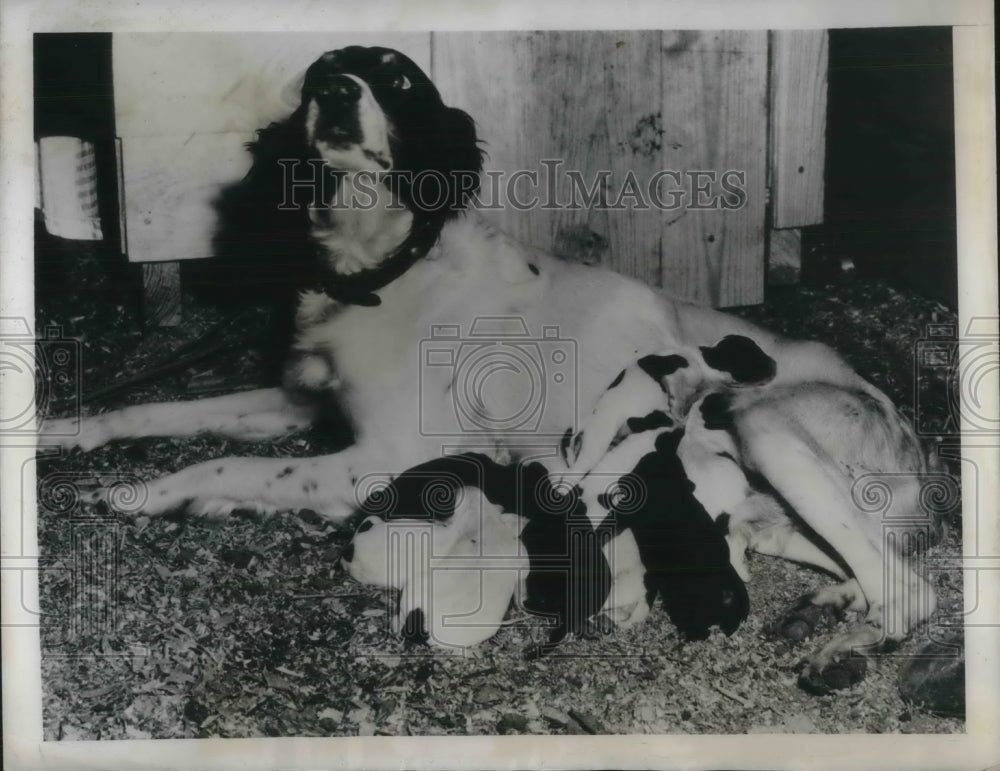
x: 71, y: 433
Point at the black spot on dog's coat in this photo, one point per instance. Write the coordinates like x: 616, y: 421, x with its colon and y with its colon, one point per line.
x: 655, y: 419
x: 617, y: 381
x: 742, y: 358
x: 286, y: 471
x: 715, y: 412
x: 533, y: 268
x: 564, y: 444
x: 658, y: 367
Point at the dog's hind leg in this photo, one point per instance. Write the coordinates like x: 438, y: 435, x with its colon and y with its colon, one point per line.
x: 897, y: 597
x: 260, y: 414
x: 785, y: 541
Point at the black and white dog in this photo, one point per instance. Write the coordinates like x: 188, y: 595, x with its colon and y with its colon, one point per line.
x: 380, y: 278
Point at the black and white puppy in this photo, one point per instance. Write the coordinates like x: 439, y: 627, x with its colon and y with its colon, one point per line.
x: 659, y: 391
x: 456, y: 577
x: 461, y: 500
x: 654, y: 514
x: 454, y: 555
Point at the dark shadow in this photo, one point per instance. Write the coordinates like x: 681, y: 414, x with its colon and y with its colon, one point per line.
x: 890, y: 169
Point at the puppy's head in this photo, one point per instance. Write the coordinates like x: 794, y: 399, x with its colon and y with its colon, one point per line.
x: 686, y: 375
x: 447, y: 598
x: 374, y: 110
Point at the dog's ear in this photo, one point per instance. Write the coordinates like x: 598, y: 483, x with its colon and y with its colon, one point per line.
x: 460, y: 142
x: 445, y: 164
x: 741, y: 358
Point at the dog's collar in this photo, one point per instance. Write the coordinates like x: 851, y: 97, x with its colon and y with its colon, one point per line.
x: 360, y: 288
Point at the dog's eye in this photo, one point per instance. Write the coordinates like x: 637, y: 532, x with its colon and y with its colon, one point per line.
x: 401, y: 82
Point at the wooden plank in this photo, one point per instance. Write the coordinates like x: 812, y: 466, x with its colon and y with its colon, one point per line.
x: 169, y: 183
x: 161, y: 293
x: 585, y: 101
x: 798, y: 126
x: 600, y: 100
x: 212, y: 82
x: 632, y: 107
x: 784, y: 258
x: 515, y: 118
x: 714, y: 120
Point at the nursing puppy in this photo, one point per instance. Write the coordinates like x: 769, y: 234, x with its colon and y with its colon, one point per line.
x: 682, y: 554
x: 456, y: 578
x: 747, y: 427
x: 450, y: 550
x: 658, y: 391
x: 429, y: 530
x: 556, y: 569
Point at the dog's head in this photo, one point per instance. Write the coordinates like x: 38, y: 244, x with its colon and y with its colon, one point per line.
x: 374, y: 110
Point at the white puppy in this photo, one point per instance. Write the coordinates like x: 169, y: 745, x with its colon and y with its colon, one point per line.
x: 456, y: 578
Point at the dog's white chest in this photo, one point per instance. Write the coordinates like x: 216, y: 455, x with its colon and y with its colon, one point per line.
x: 361, y: 226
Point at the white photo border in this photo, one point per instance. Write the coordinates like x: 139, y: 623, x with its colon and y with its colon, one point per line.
x: 972, y: 23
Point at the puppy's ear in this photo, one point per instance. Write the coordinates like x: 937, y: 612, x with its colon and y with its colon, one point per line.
x: 741, y: 358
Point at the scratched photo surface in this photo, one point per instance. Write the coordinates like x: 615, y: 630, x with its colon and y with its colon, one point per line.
x: 578, y: 382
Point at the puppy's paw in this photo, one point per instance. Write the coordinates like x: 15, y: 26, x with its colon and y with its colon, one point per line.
x: 820, y: 678
x: 803, y: 619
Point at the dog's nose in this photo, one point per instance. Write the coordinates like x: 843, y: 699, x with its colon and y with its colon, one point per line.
x: 348, y: 553
x: 341, y: 89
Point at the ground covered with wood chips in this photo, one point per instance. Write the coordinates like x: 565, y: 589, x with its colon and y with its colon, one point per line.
x: 160, y: 628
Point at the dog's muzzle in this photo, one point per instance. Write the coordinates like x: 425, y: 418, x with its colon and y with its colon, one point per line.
x: 341, y: 92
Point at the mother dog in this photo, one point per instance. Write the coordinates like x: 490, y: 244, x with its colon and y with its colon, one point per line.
x: 384, y: 277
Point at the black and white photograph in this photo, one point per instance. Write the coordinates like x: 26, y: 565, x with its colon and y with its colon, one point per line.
x: 502, y: 380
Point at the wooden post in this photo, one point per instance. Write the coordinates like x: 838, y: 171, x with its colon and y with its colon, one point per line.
x: 799, y: 61
x: 161, y: 293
